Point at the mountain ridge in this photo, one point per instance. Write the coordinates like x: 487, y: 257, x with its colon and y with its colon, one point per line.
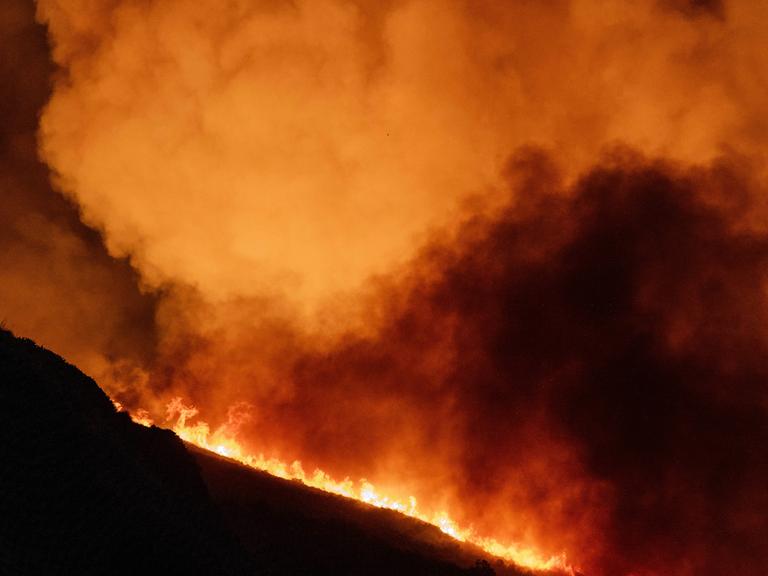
x: 85, y: 490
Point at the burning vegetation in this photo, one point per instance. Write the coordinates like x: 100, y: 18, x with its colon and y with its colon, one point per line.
x: 498, y: 266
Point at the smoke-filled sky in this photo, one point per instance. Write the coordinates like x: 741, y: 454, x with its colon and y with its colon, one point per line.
x: 509, y: 257
x: 57, y: 282
x: 255, y: 148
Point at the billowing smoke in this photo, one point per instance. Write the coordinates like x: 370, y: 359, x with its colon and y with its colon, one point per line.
x: 57, y: 282
x: 582, y: 370
x: 265, y: 148
x: 565, y: 348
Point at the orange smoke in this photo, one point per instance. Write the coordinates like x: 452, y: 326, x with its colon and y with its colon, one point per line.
x: 320, y: 197
x: 57, y: 282
x: 256, y: 149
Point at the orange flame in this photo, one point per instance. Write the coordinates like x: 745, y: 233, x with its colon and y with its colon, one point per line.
x: 223, y: 441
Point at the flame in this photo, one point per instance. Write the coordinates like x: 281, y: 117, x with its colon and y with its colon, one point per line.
x: 222, y: 441
x: 140, y: 416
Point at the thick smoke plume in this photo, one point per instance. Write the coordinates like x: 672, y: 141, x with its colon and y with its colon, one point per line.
x: 57, y: 282
x: 565, y: 349
x: 583, y: 370
x: 266, y: 148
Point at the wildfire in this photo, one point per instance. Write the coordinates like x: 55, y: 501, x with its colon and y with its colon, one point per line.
x: 222, y: 441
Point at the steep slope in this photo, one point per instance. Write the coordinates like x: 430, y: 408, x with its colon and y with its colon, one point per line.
x: 85, y: 491
x: 294, y: 529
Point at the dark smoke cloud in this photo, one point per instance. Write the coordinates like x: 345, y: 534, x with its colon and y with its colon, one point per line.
x: 585, y: 369
x: 697, y: 8
x: 57, y: 283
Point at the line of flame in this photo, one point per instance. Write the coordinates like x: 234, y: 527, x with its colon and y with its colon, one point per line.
x: 223, y: 442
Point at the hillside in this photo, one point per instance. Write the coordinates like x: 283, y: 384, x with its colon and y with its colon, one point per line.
x: 295, y: 529
x: 84, y: 490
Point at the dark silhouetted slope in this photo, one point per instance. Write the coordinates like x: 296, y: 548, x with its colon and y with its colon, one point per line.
x: 85, y: 491
x: 294, y: 529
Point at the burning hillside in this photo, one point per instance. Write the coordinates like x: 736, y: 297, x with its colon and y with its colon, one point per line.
x: 86, y: 491
x: 499, y: 266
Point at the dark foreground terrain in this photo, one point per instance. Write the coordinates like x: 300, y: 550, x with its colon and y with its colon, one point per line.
x: 294, y: 529
x: 83, y: 490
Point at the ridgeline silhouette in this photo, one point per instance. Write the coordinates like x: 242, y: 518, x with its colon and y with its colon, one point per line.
x: 84, y: 490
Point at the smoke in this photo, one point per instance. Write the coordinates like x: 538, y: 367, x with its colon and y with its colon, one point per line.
x: 564, y: 348
x: 582, y: 370
x: 57, y: 283
x: 257, y: 148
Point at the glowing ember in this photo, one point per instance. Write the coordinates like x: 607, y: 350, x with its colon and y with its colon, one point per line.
x: 222, y: 441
